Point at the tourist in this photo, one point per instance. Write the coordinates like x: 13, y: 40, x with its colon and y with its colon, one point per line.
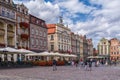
x: 85, y: 63
x: 76, y: 63
x: 72, y: 63
x: 90, y: 64
x: 115, y: 62
x: 54, y: 65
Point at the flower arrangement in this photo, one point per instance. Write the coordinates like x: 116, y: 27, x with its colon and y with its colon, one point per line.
x: 60, y: 63
x: 42, y: 63
x: 47, y: 63
x: 3, y: 45
x: 24, y: 36
x: 24, y: 24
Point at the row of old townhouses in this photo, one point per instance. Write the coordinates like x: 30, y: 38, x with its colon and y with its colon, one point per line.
x: 19, y: 29
x: 109, y: 48
x: 62, y: 39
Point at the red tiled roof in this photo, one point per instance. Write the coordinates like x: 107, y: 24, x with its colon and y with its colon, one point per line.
x: 51, y: 28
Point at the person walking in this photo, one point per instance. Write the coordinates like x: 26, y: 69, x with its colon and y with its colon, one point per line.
x: 54, y: 65
x: 86, y: 64
x: 115, y: 62
x: 90, y: 64
x: 76, y: 63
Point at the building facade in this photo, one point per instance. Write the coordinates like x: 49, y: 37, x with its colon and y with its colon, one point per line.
x: 81, y: 47
x: 85, y: 47
x: 90, y: 47
x: 22, y: 26
x: 73, y: 43
x: 114, y: 49
x: 59, y: 38
x: 38, y: 34
x: 77, y: 45
x: 7, y: 23
x: 104, y: 48
x: 95, y: 52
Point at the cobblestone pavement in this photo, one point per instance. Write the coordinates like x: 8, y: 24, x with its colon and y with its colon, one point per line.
x: 62, y: 73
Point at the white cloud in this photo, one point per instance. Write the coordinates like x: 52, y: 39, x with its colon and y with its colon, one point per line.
x: 74, y: 6
x: 106, y: 20
x: 44, y: 10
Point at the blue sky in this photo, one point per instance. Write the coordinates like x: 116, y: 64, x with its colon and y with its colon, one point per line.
x: 94, y: 18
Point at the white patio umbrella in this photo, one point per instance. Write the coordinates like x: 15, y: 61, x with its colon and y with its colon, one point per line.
x: 44, y: 54
x: 25, y: 51
x: 73, y: 55
x: 38, y: 54
x: 9, y: 49
x: 69, y: 55
x: 58, y: 54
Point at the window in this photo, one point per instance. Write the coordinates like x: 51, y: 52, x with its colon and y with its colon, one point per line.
x: 3, y: 13
x: 32, y: 41
x: 36, y: 41
x: 8, y: 14
x: 36, y: 32
x: 40, y: 33
x: 44, y: 43
x: 58, y: 37
x: 52, y: 47
x: 40, y: 42
x: 12, y: 15
x: 59, y: 47
x: 32, y: 31
x: 23, y: 20
x: 52, y: 37
x: 18, y: 19
x: 44, y: 34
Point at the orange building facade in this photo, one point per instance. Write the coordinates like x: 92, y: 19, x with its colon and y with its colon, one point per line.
x: 114, y: 49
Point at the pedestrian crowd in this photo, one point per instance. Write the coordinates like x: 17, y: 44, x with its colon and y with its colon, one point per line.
x: 87, y: 64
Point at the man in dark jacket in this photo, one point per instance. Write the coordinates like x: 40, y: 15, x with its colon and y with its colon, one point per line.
x: 54, y: 65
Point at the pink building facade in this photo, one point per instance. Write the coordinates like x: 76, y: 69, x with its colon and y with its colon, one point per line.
x: 38, y: 35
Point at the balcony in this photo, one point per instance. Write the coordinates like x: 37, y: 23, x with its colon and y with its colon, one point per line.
x: 24, y: 25
x: 24, y: 36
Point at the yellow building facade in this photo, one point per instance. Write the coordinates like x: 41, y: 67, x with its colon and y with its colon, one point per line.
x: 7, y: 24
